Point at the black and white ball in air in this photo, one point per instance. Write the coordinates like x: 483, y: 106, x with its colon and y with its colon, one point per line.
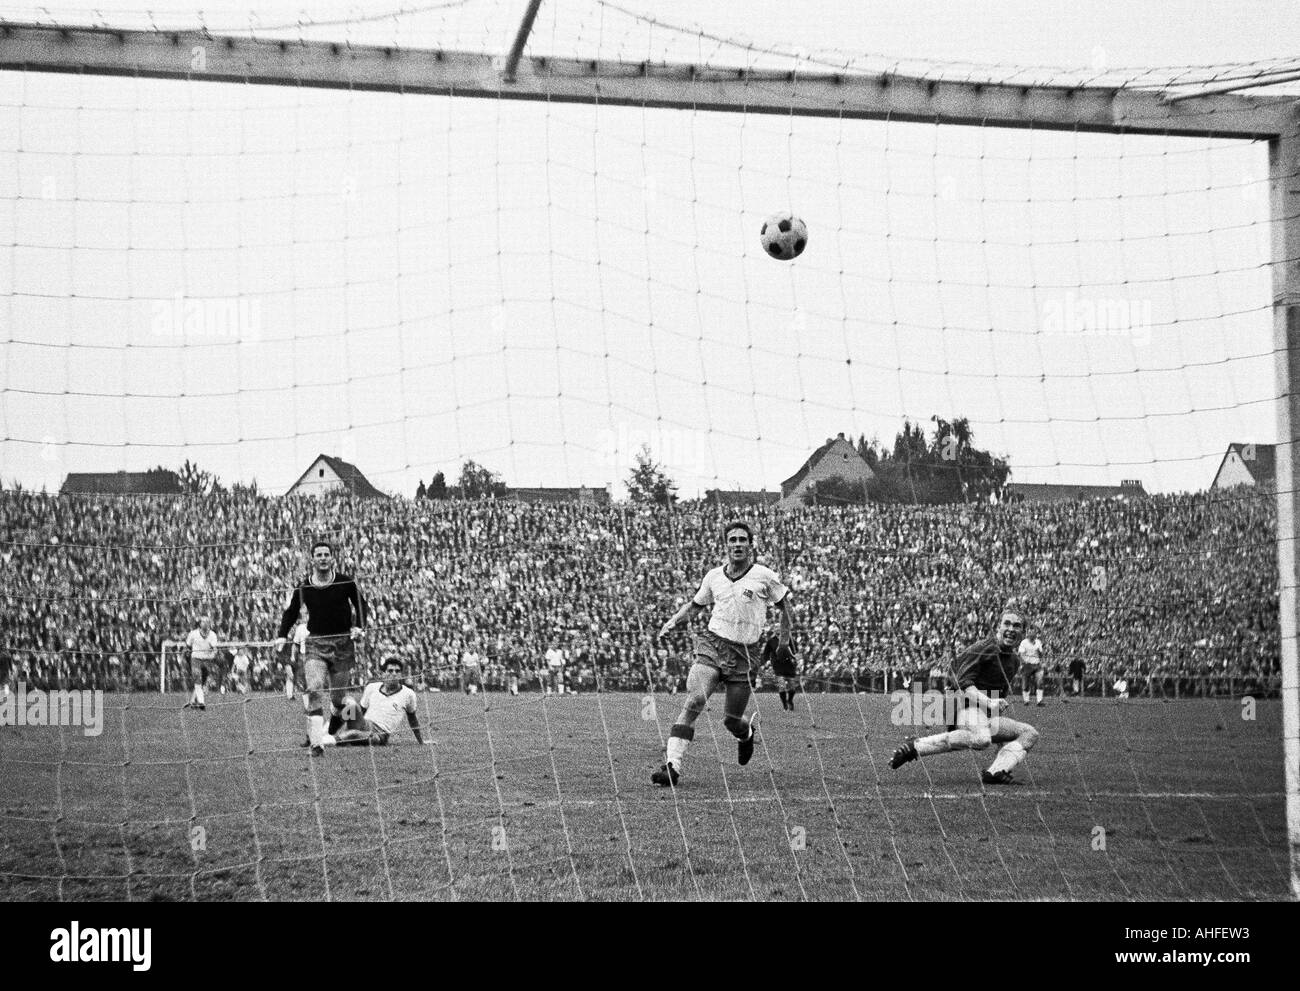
x: 784, y: 236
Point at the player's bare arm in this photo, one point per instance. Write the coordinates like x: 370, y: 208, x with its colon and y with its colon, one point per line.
x: 688, y: 611
x: 787, y: 620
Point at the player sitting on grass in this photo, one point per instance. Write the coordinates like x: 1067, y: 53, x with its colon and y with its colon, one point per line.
x: 983, y: 674
x: 727, y: 652
x: 383, y: 703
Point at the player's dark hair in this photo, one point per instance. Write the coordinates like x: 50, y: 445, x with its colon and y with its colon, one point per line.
x: 322, y: 543
x: 737, y: 525
x: 390, y: 660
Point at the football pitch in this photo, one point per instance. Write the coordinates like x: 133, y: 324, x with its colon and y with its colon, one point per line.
x: 549, y: 798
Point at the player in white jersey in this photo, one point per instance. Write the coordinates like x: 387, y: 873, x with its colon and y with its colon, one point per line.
x: 1031, y: 664
x: 202, y: 644
x: 555, y: 669
x: 382, y: 707
x: 739, y: 592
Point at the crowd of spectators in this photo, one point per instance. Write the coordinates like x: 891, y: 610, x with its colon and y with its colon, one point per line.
x: 1171, y: 593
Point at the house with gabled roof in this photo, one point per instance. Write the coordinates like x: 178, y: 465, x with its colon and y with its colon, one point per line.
x: 1247, y: 464
x: 329, y: 474
x: 836, y: 458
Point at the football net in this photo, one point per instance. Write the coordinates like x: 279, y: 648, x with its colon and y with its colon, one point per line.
x: 409, y: 271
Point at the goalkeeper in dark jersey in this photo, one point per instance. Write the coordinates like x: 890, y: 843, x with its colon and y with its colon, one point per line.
x: 983, y: 674
x: 336, y: 617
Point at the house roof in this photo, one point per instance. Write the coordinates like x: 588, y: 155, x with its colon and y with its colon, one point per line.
x: 1050, y: 492
x: 1262, y: 467
x: 123, y: 482
x: 737, y: 497
x: 348, y: 473
x: 558, y: 494
x: 793, y: 481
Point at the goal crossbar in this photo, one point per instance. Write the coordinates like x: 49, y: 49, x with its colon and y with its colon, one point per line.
x: 200, y: 55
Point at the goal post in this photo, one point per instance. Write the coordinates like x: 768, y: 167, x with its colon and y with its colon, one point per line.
x: 1284, y: 175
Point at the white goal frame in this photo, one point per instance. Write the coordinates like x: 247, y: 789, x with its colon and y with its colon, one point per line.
x: 1107, y: 109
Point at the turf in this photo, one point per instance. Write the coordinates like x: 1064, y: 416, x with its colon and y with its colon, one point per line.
x: 549, y: 798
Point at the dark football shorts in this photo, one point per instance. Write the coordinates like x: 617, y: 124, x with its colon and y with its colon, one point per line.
x: 328, y: 660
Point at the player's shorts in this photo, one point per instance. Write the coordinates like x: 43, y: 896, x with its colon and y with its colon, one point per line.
x: 732, y: 660
x: 787, y: 684
x: 200, y: 667
x: 378, y: 737
x: 328, y: 661
x: 1000, y: 728
x: 1032, y: 673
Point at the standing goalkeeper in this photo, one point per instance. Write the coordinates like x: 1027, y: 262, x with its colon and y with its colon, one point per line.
x: 336, y: 617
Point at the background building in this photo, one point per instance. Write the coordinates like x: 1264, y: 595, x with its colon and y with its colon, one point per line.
x: 1247, y: 464
x: 836, y: 458
x: 580, y: 494
x: 1130, y: 488
x: 328, y: 474
x: 162, y: 482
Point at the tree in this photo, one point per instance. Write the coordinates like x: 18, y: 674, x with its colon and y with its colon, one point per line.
x: 477, y: 482
x: 437, y: 487
x: 648, y: 482
x: 193, y: 479
x: 918, y: 469
x: 964, y: 473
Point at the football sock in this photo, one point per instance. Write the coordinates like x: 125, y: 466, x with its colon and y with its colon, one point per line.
x: 678, y: 737
x: 1010, y: 755
x: 315, y: 728
x: 1040, y: 695
x: 198, y: 696
x: 936, y: 744
x: 336, y: 720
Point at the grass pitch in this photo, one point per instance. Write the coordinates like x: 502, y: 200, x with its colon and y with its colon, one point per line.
x: 550, y: 798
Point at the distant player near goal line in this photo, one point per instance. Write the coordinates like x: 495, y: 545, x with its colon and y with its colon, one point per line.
x: 728, y: 652
x: 1031, y: 661
x: 383, y: 704
x: 983, y: 674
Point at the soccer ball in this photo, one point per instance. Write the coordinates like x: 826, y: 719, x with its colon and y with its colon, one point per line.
x: 784, y: 236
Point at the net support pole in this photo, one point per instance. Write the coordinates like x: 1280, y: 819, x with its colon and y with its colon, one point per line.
x: 1284, y: 205
x: 521, y: 38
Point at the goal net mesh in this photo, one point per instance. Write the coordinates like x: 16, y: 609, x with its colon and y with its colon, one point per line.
x: 247, y: 291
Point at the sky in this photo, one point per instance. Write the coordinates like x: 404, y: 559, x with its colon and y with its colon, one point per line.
x: 248, y: 276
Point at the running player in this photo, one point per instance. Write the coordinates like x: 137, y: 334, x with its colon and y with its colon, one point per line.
x: 983, y: 674
x: 336, y: 618
x: 728, y: 651
x: 786, y: 669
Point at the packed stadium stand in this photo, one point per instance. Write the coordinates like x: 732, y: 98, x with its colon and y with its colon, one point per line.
x: 1176, y: 594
